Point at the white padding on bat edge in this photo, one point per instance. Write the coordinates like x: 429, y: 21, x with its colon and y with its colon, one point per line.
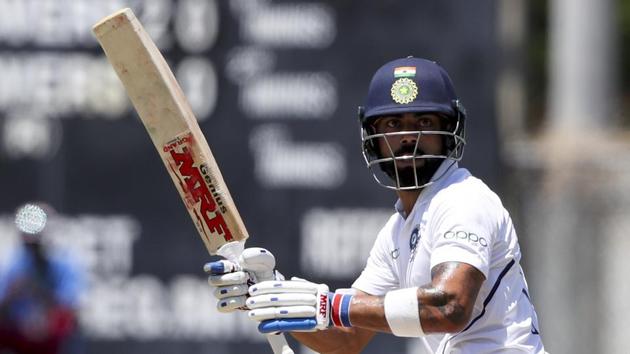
x: 269, y: 313
x: 401, y: 312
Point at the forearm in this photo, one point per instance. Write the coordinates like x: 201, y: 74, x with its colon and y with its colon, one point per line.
x: 444, y: 306
x: 438, y: 312
x: 367, y: 314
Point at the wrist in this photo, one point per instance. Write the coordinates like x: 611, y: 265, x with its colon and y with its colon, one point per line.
x: 340, y: 304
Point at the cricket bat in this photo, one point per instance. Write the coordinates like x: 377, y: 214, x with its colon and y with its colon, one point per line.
x: 173, y: 128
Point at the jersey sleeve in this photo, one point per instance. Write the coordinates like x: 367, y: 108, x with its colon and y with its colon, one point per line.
x: 463, y: 231
x: 379, y: 275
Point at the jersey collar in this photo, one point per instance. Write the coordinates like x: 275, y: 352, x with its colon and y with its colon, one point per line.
x: 437, y: 182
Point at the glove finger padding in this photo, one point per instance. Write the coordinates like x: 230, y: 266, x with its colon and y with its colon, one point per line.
x: 288, y: 325
x: 289, y: 306
x: 223, y: 292
x: 230, y: 304
x: 231, y: 284
x: 281, y: 312
x: 234, y: 278
x: 221, y: 267
x: 231, y: 279
x: 281, y: 300
x: 283, y: 287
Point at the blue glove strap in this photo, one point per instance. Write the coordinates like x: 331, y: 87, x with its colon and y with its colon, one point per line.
x: 287, y: 325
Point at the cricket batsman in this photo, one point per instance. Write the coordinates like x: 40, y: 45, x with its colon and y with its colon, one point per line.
x: 445, y: 267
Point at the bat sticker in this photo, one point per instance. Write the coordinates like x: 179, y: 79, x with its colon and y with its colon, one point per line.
x: 202, y: 195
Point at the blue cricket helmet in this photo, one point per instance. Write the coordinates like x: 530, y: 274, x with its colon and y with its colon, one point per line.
x: 411, y: 85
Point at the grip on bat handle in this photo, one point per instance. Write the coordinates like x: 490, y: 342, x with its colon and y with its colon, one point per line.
x: 232, y: 250
x: 261, y: 264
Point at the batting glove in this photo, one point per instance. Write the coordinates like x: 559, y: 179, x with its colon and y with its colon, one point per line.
x: 231, y: 280
x: 297, y: 305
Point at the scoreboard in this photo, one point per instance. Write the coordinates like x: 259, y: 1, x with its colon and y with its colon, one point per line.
x: 275, y: 86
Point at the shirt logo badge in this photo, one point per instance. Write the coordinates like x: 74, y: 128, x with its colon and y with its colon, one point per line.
x: 413, y: 241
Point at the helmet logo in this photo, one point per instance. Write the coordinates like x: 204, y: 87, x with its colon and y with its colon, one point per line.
x: 405, y: 71
x: 404, y: 91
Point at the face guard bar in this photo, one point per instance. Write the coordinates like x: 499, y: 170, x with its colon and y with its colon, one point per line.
x: 454, y: 143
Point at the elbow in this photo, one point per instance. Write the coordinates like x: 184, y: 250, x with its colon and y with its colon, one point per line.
x: 456, y: 317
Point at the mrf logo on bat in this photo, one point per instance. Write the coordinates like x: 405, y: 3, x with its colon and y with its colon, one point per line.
x: 202, y: 197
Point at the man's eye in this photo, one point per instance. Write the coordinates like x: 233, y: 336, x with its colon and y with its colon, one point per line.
x: 426, y: 123
x: 391, y: 123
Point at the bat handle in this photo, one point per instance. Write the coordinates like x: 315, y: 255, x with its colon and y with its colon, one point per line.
x: 279, y: 344
x: 232, y: 251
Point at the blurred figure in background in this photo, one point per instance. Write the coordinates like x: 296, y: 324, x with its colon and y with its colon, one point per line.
x: 39, y: 292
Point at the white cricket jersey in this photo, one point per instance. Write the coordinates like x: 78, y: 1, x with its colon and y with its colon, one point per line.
x: 459, y: 219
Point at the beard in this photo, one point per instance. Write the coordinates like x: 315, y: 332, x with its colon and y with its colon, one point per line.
x: 406, y: 175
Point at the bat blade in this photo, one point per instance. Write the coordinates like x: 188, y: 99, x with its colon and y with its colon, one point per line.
x: 169, y: 120
x: 172, y: 126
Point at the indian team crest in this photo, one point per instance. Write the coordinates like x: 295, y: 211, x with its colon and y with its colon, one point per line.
x: 413, y: 242
x: 404, y: 90
x: 414, y: 238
